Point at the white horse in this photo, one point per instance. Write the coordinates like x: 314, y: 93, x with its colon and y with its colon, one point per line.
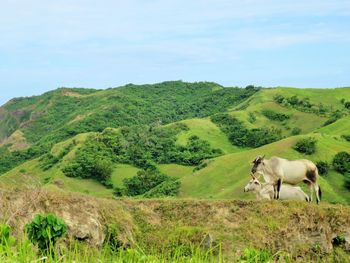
x: 277, y: 170
x: 265, y: 191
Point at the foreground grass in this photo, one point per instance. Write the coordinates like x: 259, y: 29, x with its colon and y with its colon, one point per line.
x: 80, y: 252
x: 23, y: 251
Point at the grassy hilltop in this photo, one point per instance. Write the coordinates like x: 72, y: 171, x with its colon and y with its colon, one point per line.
x: 53, y: 129
x: 176, y: 156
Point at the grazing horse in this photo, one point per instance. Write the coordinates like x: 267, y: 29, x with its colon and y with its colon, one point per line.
x: 277, y: 170
x: 265, y: 191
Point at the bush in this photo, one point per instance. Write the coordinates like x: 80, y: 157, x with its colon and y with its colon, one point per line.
x: 347, y: 181
x: 240, y: 136
x: 200, y: 166
x: 296, y: 131
x: 322, y: 167
x: 275, y: 116
x: 347, y: 105
x: 45, y: 230
x: 346, y: 137
x: 143, y: 181
x: 334, y: 117
x: 169, y: 187
x: 306, y: 146
x: 341, y: 162
x: 251, y: 117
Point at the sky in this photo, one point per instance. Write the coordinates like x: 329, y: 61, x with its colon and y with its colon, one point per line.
x: 108, y: 43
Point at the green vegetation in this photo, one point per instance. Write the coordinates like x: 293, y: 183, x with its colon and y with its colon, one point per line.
x: 302, y: 104
x: 275, y: 116
x: 142, y: 146
x: 306, y: 146
x: 6, y: 239
x: 322, y: 167
x: 341, y: 162
x: 336, y: 115
x: 45, y: 230
x: 240, y: 136
x: 178, y: 146
x: 295, y: 131
x: 151, y: 182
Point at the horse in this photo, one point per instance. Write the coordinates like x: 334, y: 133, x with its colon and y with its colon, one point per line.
x: 265, y: 191
x: 277, y: 170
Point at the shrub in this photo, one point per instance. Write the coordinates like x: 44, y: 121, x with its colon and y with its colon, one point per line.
x: 251, y: 117
x: 341, y: 162
x: 45, y: 230
x: 347, y: 105
x: 322, y: 167
x: 346, y: 137
x: 347, y: 181
x: 200, y: 166
x: 240, y: 136
x: 119, y: 191
x: 275, y: 116
x: 334, y: 117
x: 296, y: 131
x: 143, y: 181
x: 306, y: 146
x: 169, y: 187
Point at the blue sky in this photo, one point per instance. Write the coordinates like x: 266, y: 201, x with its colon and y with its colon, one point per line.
x: 107, y: 43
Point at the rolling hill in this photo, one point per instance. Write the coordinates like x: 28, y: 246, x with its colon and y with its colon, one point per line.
x: 64, y: 120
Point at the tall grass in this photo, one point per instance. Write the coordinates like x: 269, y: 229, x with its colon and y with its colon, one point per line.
x: 76, y: 251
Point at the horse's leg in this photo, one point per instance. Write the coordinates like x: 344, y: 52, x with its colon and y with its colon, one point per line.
x: 311, y: 187
x: 317, y: 189
x: 274, y: 191
x: 279, y: 183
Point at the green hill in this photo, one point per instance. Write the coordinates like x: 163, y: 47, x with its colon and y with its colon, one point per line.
x: 172, y: 123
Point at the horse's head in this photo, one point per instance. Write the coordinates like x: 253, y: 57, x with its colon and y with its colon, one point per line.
x: 258, y: 164
x: 253, y: 185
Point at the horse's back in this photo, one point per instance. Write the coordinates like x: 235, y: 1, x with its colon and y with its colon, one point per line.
x: 293, y: 171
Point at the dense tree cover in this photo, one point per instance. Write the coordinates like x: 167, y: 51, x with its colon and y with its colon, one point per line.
x: 275, y: 116
x: 80, y: 110
x: 306, y: 146
x: 9, y: 159
x: 63, y: 113
x: 141, y: 146
x: 241, y: 136
x: 301, y: 104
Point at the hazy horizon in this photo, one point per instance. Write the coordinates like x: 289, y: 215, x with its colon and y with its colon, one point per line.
x: 46, y: 45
